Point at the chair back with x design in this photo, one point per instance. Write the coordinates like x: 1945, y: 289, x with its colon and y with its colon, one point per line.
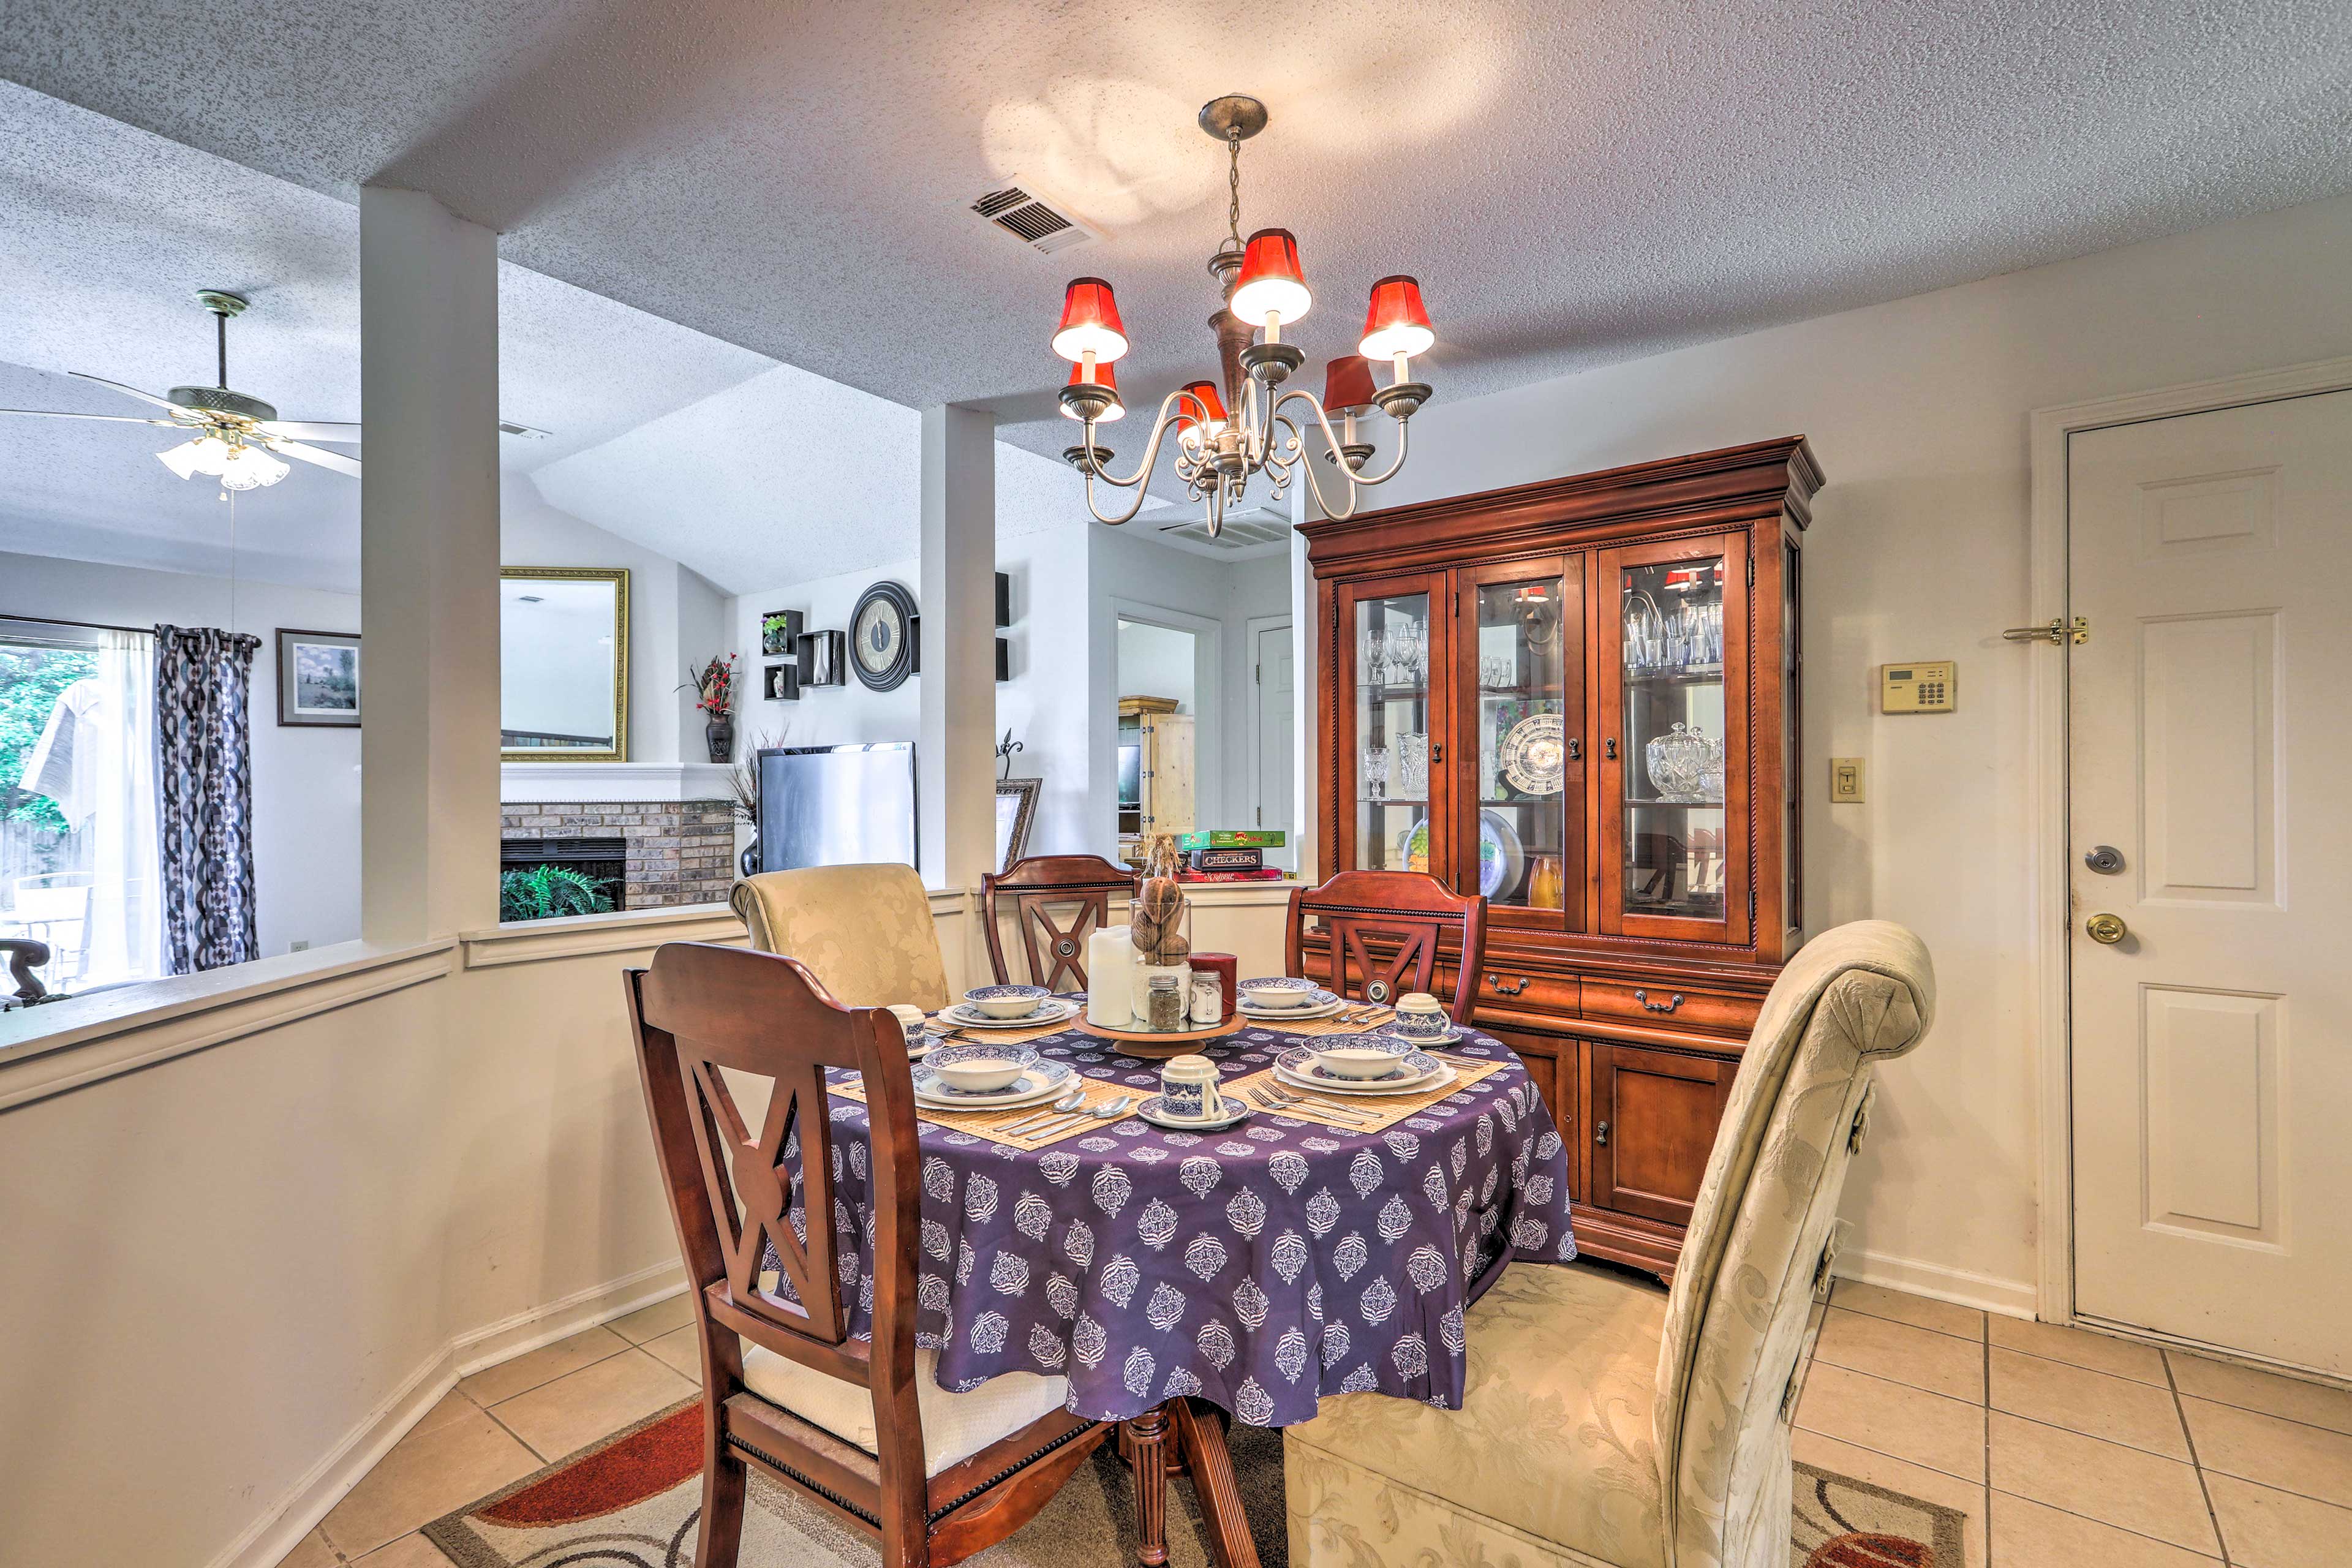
x: 1056, y: 901
x: 1385, y: 930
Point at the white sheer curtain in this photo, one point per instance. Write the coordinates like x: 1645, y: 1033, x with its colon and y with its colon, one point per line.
x: 126, y: 926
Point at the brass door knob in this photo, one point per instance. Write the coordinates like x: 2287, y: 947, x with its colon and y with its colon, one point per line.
x: 2106, y: 930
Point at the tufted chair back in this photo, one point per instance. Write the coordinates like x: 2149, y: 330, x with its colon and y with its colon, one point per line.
x: 1762, y: 1234
x: 865, y: 932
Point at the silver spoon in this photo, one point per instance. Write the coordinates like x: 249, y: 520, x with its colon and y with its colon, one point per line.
x: 1068, y: 1102
x: 1107, y: 1111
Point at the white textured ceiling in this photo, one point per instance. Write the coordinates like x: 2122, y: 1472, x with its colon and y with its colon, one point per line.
x: 1574, y: 184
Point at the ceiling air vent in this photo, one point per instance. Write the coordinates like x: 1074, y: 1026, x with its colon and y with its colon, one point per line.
x: 1034, y: 220
x: 527, y: 432
x: 1244, y: 530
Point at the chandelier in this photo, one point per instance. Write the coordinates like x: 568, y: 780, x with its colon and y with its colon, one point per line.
x: 1222, y: 441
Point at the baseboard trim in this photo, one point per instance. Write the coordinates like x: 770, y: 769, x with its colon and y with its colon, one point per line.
x: 2010, y: 1298
x: 276, y: 1533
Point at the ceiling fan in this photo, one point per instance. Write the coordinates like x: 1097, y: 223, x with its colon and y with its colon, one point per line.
x: 232, y: 437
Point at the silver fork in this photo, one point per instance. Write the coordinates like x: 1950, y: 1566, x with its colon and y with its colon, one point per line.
x: 1274, y: 1099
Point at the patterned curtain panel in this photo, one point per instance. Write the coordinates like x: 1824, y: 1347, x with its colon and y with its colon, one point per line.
x: 204, y: 691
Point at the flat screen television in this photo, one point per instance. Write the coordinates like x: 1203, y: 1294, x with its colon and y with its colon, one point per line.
x: 836, y: 806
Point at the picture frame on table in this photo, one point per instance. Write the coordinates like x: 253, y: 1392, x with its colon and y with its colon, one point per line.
x: 1016, y: 812
x: 318, y: 680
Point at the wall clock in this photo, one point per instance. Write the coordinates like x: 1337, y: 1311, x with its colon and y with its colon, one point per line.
x: 882, y: 636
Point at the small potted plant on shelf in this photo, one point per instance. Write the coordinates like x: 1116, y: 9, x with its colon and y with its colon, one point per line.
x: 714, y: 686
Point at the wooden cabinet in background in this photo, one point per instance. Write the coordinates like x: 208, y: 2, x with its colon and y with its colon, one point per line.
x: 1581, y: 698
x: 1155, y: 771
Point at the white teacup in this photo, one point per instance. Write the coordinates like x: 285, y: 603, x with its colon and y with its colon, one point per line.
x: 1422, y: 1015
x: 910, y: 1019
x: 1188, y: 1090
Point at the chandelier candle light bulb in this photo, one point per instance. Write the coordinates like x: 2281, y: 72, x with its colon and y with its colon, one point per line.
x: 1219, y: 450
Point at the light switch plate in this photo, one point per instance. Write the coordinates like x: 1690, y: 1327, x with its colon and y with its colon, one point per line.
x: 1925, y: 685
x: 1846, y: 780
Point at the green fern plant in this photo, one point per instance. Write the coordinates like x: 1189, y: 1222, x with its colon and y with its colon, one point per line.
x: 545, y: 892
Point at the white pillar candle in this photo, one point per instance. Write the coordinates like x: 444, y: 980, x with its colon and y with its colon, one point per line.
x: 1110, y: 978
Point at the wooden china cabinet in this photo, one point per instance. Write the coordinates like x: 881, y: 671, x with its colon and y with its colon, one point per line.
x: 1581, y: 698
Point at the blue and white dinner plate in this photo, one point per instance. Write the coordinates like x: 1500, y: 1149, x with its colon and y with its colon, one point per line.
x: 1042, y: 1080
x: 1320, y: 1003
x: 1366, y: 1089
x: 1053, y: 1010
x: 1454, y: 1032
x: 1153, y: 1110
x: 1415, y: 1070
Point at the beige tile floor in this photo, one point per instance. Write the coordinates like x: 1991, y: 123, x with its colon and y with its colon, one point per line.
x: 2064, y: 1449
x: 2070, y: 1450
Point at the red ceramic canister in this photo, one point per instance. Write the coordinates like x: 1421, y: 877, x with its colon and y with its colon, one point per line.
x: 1227, y: 969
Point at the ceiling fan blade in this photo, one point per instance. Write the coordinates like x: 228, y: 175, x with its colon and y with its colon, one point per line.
x: 318, y: 455
x: 126, y: 391
x: 311, y: 430
x: 110, y: 418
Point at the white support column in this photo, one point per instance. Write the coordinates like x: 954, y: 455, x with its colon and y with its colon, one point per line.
x: 1306, y: 670
x: 955, y: 750
x: 428, y: 568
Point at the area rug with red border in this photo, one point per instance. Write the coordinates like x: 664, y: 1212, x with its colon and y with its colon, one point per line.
x: 633, y: 1501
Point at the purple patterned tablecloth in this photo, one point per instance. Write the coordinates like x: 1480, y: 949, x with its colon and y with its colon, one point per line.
x: 1260, y: 1269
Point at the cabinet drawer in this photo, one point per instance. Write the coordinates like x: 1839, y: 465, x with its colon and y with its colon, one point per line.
x: 1526, y: 992
x: 1667, y: 1005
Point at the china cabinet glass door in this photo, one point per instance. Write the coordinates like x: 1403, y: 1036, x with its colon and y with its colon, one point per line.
x: 1672, y: 659
x: 1393, y: 728
x: 1520, y: 671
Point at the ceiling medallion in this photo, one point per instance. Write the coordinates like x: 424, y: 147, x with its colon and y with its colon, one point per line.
x: 1264, y: 291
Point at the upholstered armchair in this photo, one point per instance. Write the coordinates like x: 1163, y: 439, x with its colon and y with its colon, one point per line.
x: 865, y: 932
x: 1605, y: 1421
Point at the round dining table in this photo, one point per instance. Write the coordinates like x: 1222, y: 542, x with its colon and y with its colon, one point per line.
x: 1259, y: 1268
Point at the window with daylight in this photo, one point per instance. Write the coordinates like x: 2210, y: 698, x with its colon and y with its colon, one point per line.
x: 78, y: 823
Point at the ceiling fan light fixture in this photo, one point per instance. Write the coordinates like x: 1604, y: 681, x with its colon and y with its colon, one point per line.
x: 251, y: 469
x: 206, y: 455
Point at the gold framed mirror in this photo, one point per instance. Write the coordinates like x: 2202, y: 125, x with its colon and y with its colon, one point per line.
x: 563, y: 664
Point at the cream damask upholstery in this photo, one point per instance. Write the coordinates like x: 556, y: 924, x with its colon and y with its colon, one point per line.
x: 1604, y: 1422
x: 865, y: 932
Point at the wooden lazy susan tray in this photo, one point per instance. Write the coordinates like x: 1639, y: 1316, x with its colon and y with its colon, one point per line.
x: 1155, y: 1044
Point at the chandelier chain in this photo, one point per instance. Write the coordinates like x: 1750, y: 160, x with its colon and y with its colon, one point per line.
x: 1234, y: 187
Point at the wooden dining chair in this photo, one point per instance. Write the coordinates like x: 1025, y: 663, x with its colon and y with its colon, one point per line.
x: 1404, y: 914
x: 1084, y: 891
x: 858, y: 1427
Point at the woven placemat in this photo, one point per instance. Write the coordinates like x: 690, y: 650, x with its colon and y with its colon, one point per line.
x: 990, y: 1124
x: 1366, y: 1021
x: 1361, y: 1112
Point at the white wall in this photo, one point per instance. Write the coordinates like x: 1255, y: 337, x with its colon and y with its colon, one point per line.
x: 305, y: 781
x: 1917, y: 410
x: 1157, y: 661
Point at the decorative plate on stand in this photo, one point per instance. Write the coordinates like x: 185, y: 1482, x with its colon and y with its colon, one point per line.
x: 1155, y: 1044
x: 1534, y: 755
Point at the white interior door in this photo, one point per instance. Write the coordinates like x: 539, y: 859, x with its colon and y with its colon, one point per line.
x: 1271, y: 752
x: 2211, y: 734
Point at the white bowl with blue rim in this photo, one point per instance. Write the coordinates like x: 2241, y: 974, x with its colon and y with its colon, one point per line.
x: 1276, y: 993
x: 1359, y: 1057
x: 1006, y: 1001
x: 1317, y: 1001
x: 1406, y: 1068
x: 1036, y: 1080
x: 979, y: 1069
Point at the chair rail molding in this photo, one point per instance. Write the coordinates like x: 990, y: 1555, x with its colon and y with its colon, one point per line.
x: 620, y: 930
x: 2048, y: 915
x: 63, y: 1046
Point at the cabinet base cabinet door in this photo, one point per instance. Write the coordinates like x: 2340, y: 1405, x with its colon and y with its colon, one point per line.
x: 1650, y: 1118
x: 1552, y: 1064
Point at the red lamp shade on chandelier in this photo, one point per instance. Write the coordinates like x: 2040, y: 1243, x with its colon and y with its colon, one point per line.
x: 1397, y: 324
x: 1100, y: 374
x: 1205, y: 392
x: 1090, y: 323
x: 1271, y: 287
x: 1348, y: 385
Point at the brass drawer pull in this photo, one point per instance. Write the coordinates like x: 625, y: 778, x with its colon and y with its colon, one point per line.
x: 1513, y: 989
x: 1666, y: 1007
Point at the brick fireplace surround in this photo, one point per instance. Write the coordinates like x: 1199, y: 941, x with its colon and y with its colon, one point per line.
x: 679, y: 851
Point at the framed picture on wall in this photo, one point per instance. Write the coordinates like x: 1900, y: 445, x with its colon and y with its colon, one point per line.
x: 318, y: 680
x: 1016, y: 809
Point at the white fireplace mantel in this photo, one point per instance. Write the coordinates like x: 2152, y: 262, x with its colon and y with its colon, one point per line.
x: 525, y: 782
